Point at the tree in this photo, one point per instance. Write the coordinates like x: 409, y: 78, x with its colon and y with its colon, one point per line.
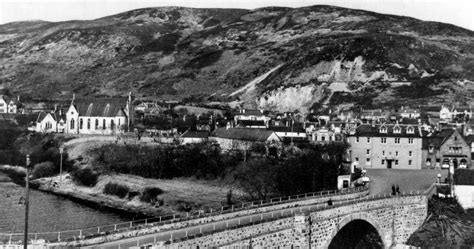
x: 257, y: 178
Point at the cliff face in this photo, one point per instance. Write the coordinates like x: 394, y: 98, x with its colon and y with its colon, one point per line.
x: 282, y: 53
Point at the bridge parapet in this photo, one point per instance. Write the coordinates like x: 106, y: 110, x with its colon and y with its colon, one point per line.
x: 154, y: 225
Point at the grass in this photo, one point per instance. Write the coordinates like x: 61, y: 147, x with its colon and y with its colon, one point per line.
x: 381, y: 180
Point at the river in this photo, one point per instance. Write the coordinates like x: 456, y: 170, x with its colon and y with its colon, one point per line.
x: 48, y: 212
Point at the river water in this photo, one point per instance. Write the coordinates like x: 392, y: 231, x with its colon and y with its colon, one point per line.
x: 48, y: 212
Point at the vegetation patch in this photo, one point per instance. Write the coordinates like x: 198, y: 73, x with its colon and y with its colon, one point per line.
x: 150, y: 194
x: 85, y: 176
x: 120, y: 190
x: 205, y: 60
x: 44, y: 169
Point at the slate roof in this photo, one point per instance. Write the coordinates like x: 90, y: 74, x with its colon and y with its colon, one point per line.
x: 297, y: 127
x: 195, y: 134
x: 101, y: 107
x: 464, y: 177
x: 251, y: 122
x: 249, y: 112
x: 247, y: 134
x: 55, y: 116
x: 368, y: 130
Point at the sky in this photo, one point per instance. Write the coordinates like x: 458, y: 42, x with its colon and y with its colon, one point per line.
x: 457, y: 12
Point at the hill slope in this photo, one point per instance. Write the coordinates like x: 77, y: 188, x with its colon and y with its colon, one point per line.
x: 177, y: 53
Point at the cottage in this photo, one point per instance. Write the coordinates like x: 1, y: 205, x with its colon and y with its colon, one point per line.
x: 104, y: 116
x: 244, y: 138
x: 386, y: 146
x: 8, y: 105
x: 446, y: 148
x: 191, y: 137
x: 49, y: 122
x: 256, y: 117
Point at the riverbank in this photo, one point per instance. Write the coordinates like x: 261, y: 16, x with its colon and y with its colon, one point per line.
x: 179, y: 195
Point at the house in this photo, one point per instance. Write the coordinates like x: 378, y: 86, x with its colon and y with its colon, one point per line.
x: 244, y: 138
x: 292, y: 133
x: 257, y: 117
x: 378, y: 115
x: 324, y: 135
x: 192, y: 137
x: 106, y: 116
x: 446, y: 148
x: 386, y: 146
x: 51, y: 122
x: 464, y: 187
x: 8, y: 105
x: 455, y: 112
x: 409, y: 113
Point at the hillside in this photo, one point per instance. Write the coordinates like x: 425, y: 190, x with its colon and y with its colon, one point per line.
x: 267, y: 57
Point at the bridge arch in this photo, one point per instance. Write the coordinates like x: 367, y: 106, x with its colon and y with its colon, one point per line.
x: 363, y: 217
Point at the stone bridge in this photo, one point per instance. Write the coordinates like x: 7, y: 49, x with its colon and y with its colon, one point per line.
x: 307, y: 222
x: 393, y: 219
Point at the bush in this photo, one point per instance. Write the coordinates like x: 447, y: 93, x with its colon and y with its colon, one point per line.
x: 44, y: 169
x: 117, y: 189
x: 150, y: 193
x: 85, y: 176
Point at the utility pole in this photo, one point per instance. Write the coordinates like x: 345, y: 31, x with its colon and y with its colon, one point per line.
x: 27, y: 202
x: 61, y: 150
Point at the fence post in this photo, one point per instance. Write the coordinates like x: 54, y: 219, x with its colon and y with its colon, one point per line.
x: 130, y: 224
x: 232, y: 208
x: 36, y: 236
x: 80, y: 233
x: 59, y: 236
x: 280, y: 199
x: 98, y: 229
x: 115, y: 227
x: 222, y: 209
x: 261, y: 216
x: 261, y: 202
x: 226, y: 224
x: 160, y: 219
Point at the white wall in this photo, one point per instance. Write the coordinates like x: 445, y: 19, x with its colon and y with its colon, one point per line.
x: 465, y: 195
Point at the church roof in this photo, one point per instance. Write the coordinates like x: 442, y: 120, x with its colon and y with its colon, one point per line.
x: 101, y: 107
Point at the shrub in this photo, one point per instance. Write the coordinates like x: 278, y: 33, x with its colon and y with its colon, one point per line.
x: 44, y: 169
x: 85, y: 176
x: 117, y: 189
x: 150, y: 193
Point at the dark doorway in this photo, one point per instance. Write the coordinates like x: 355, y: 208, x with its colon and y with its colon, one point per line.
x: 455, y: 163
x: 389, y: 164
x: 357, y: 234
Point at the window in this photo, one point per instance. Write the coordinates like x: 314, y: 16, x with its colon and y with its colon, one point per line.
x: 430, y: 149
x: 396, y: 153
x: 81, y: 123
x: 119, y: 123
x: 396, y: 162
x: 357, y: 139
x: 72, y: 124
x: 455, y: 138
x: 383, y: 161
x: 428, y: 162
x: 88, y: 123
x: 357, y: 159
x: 383, y: 140
x: 410, y: 130
x: 97, y: 124
x: 323, y: 138
x: 397, y: 140
x: 397, y: 129
x: 383, y: 152
x: 103, y: 123
x: 368, y: 152
x: 410, y: 153
x: 383, y: 129
x: 368, y: 139
x: 410, y: 140
x: 367, y: 159
x: 112, y: 125
x: 409, y: 162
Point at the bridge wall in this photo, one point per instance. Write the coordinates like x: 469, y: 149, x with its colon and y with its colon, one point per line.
x: 395, y: 219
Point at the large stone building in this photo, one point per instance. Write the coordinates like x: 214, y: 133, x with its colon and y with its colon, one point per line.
x: 386, y: 146
x: 446, y: 148
x: 105, y: 116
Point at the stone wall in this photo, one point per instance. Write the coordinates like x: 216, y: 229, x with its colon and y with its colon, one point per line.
x: 395, y: 219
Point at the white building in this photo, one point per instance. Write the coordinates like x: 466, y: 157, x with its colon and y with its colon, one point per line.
x: 51, y: 122
x: 464, y: 187
x: 105, y: 116
x: 8, y: 105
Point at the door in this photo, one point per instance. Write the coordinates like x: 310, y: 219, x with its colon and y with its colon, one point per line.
x: 389, y: 164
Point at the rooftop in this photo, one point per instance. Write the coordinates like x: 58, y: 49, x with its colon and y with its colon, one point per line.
x: 369, y: 130
x: 248, y: 134
x: 100, y: 107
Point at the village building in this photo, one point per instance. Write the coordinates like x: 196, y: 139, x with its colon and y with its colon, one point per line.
x: 325, y: 135
x: 294, y: 133
x: 377, y: 115
x: 244, y: 139
x: 446, y: 148
x: 448, y: 114
x: 51, y: 122
x: 251, y: 119
x: 8, y: 105
x: 386, y: 146
x: 104, y: 116
x: 193, y: 137
x: 464, y: 187
x: 409, y: 113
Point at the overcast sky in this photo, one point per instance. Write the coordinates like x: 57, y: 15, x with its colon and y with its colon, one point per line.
x: 457, y: 12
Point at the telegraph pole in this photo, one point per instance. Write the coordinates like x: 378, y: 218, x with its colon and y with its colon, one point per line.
x: 27, y: 202
x: 61, y: 150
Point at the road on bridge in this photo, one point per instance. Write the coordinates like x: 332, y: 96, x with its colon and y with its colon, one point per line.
x: 210, y: 227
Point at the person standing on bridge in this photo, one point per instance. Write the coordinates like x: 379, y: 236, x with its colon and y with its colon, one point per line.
x: 393, y: 190
x: 398, y: 190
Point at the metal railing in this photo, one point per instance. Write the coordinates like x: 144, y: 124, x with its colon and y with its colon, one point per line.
x: 86, y: 233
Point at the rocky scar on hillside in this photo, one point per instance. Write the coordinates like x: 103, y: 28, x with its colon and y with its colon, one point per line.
x: 266, y: 55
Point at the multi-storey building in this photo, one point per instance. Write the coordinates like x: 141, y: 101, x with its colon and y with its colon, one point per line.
x: 447, y: 148
x: 386, y: 146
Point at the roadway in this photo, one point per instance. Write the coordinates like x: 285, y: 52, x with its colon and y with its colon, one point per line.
x: 208, y: 227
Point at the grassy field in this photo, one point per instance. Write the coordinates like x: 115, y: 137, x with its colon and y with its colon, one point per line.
x: 381, y: 180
